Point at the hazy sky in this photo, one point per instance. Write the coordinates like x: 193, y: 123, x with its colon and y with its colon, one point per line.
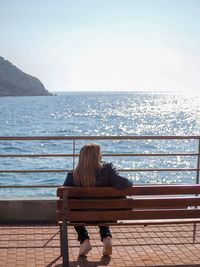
x: 104, y: 44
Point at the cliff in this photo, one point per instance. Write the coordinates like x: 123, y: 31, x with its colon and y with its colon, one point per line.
x: 14, y: 82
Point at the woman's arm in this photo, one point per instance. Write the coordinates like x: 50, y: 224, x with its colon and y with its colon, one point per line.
x: 117, y: 180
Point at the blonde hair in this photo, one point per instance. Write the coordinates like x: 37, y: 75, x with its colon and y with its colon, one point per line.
x: 88, y: 164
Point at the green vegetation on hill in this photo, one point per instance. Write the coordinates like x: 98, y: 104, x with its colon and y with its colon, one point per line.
x: 14, y: 82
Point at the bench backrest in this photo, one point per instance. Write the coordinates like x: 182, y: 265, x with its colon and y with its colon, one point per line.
x: 140, y: 202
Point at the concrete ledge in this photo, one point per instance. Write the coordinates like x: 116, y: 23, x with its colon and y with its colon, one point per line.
x: 28, y: 211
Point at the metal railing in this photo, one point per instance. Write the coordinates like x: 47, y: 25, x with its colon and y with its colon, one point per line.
x: 73, y: 155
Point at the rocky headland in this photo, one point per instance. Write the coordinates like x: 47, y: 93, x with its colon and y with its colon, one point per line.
x: 14, y: 82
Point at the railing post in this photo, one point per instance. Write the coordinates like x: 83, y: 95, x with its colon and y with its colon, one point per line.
x: 197, y: 182
x: 198, y: 163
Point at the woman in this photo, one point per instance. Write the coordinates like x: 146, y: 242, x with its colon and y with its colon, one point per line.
x: 91, y: 172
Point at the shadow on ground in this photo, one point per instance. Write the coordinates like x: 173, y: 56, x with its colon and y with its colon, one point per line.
x: 83, y: 262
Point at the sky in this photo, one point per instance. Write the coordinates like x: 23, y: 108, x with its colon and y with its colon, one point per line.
x: 109, y: 45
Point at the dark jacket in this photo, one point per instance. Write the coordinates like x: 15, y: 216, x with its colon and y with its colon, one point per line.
x: 106, y: 176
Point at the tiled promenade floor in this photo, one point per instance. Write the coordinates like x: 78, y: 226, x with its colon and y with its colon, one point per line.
x: 38, y: 246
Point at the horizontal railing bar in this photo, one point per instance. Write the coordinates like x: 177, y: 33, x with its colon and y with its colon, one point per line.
x: 105, y: 155
x: 29, y: 186
x: 24, y: 171
x: 156, y: 169
x: 136, y: 185
x: 150, y: 154
x: 121, y: 170
x: 35, y: 155
x: 136, y: 137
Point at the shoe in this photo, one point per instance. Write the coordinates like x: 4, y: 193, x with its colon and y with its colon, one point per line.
x: 85, y: 247
x: 107, y: 246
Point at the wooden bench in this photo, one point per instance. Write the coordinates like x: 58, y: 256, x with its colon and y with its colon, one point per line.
x: 145, y: 204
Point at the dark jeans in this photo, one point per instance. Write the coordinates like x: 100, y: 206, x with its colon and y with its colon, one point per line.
x: 83, y: 233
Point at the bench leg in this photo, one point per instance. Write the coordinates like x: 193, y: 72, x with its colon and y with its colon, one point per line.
x: 64, y: 246
x: 194, y: 232
x: 60, y: 226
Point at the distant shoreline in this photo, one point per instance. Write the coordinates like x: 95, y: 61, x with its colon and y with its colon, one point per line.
x: 114, y: 92
x: 1, y: 96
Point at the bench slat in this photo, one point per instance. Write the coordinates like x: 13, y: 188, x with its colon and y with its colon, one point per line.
x: 106, y: 215
x: 161, y: 189
x: 142, y: 222
x: 131, y: 203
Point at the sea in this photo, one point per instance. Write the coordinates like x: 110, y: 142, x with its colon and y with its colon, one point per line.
x: 97, y: 114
